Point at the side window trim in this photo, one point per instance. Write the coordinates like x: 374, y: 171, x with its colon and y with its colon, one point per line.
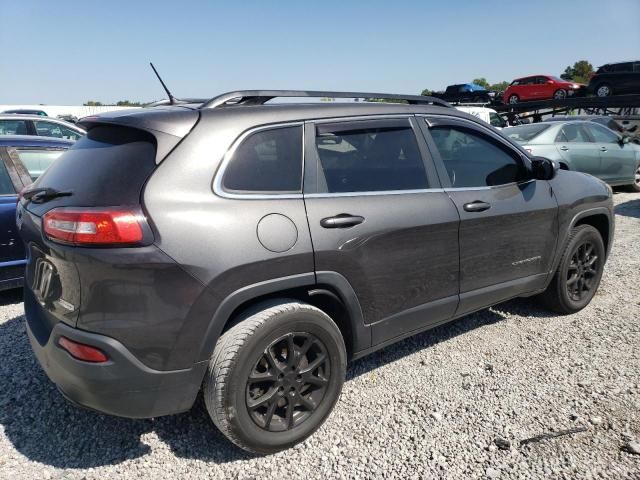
x: 218, y: 188
x: 14, y: 177
x: 438, y: 120
x: 313, y: 175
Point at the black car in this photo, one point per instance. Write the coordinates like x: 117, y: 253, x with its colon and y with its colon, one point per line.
x: 616, y: 79
x: 249, y: 250
x: 465, y: 93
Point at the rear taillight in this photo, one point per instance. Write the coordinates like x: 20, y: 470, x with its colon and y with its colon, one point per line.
x: 87, y: 226
x: 83, y: 352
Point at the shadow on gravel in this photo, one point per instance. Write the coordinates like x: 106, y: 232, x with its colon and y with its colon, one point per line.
x: 11, y: 297
x: 629, y: 209
x: 45, y: 428
x: 424, y: 340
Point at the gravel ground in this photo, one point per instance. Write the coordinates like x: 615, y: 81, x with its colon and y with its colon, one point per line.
x: 432, y: 406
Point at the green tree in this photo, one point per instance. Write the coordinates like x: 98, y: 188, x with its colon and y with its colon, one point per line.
x: 426, y: 92
x: 482, y: 82
x: 127, y: 103
x: 92, y: 103
x: 500, y: 86
x: 580, y: 72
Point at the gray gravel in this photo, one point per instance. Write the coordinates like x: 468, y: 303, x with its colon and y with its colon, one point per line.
x: 451, y: 403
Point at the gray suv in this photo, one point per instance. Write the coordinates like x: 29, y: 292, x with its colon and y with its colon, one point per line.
x: 249, y: 249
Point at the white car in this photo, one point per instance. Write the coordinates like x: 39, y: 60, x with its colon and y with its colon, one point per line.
x: 488, y: 115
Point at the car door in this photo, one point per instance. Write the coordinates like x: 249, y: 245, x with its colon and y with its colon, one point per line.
x: 11, y: 248
x: 542, y: 89
x: 577, y: 148
x: 508, y: 220
x: 617, y: 159
x: 379, y: 218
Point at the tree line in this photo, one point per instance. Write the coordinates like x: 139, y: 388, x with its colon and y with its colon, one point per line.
x: 580, y: 72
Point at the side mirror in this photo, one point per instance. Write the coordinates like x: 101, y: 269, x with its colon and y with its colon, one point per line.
x: 550, y: 82
x: 624, y: 139
x: 544, y: 168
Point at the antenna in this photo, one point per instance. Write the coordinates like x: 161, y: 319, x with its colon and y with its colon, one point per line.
x: 172, y: 99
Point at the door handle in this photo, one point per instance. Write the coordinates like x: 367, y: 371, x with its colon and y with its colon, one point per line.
x: 476, y: 206
x: 564, y: 149
x: 343, y: 220
x: 603, y: 149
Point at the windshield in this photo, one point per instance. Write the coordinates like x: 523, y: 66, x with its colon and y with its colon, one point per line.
x: 556, y: 79
x: 525, y: 133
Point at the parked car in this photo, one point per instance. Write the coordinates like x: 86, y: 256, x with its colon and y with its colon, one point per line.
x: 540, y: 87
x: 615, y: 79
x: 465, y: 92
x: 14, y: 124
x: 189, y: 248
x: 583, y: 146
x: 605, y: 120
x: 26, y: 111
x: 488, y: 115
x: 22, y: 160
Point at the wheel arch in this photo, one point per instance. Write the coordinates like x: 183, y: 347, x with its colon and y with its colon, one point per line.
x: 600, y: 219
x: 328, y: 291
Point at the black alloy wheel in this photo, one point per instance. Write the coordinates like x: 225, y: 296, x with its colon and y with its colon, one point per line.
x: 582, y: 271
x: 288, y: 382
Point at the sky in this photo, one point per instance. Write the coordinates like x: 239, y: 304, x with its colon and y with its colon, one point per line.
x: 69, y: 52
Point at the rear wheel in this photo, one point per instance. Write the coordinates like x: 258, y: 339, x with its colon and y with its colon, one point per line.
x: 578, y: 276
x: 604, y: 90
x: 514, y: 99
x: 275, y: 376
x: 560, y: 94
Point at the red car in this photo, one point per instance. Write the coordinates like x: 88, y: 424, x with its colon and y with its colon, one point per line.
x: 540, y: 87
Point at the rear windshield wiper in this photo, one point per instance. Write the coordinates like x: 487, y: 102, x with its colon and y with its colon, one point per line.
x: 40, y: 195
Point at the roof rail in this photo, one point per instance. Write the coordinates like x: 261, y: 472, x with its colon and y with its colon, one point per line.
x: 260, y: 97
x: 176, y: 101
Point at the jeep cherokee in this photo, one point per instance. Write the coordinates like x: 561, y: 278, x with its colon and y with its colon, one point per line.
x: 248, y: 249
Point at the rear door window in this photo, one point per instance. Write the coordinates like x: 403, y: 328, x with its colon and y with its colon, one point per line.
x: 369, y: 156
x: 13, y: 127
x: 573, y: 133
x: 6, y: 185
x: 267, y: 161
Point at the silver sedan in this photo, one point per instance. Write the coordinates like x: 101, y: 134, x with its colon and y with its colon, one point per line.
x: 583, y: 146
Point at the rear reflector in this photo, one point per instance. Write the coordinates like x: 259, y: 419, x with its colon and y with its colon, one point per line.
x: 86, y: 226
x: 82, y: 352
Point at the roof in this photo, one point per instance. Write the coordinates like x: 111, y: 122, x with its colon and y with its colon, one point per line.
x: 33, y: 141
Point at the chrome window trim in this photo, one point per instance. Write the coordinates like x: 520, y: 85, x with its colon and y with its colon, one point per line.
x: 219, y: 190
x: 492, y: 187
x: 361, y: 118
x: 374, y: 193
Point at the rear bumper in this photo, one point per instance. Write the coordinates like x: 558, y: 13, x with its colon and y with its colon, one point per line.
x: 123, y: 386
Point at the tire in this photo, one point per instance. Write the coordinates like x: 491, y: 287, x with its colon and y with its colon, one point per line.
x: 560, y: 94
x: 259, y: 345
x: 513, y: 99
x: 560, y: 296
x: 604, y: 90
x: 635, y: 186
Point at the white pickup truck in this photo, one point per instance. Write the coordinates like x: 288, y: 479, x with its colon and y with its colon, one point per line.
x: 488, y: 115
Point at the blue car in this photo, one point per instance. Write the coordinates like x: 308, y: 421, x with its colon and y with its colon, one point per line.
x: 23, y: 159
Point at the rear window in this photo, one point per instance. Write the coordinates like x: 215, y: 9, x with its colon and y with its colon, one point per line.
x: 524, y: 133
x: 107, y: 167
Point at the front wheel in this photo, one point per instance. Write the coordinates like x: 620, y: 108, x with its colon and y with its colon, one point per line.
x: 513, y: 99
x: 635, y: 186
x: 578, y: 276
x: 275, y: 376
x: 560, y: 94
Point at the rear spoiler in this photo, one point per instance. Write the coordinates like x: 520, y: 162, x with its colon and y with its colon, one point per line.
x: 167, y: 125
